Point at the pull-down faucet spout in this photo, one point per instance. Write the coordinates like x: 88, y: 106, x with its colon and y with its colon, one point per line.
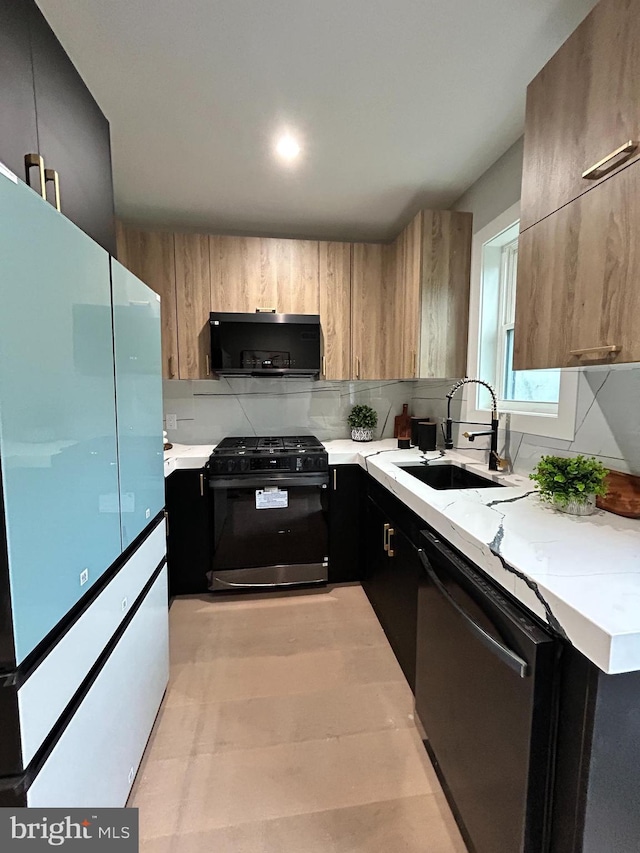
x: 494, y: 459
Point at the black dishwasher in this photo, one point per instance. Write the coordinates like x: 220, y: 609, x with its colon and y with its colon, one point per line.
x: 486, y: 690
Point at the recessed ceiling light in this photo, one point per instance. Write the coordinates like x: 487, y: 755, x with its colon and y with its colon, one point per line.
x: 287, y: 147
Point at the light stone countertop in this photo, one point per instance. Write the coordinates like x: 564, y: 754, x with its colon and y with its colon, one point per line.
x: 183, y: 456
x: 581, y: 574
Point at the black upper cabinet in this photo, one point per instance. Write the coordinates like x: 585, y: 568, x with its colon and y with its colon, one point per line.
x: 46, y: 109
x: 73, y: 135
x: 18, y: 132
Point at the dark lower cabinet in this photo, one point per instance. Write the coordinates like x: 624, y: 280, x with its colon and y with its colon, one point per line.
x: 189, y: 539
x: 597, y: 760
x: 346, y: 486
x: 390, y: 579
x: 46, y: 109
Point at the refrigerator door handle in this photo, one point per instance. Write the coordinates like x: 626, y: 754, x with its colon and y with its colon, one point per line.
x: 508, y: 657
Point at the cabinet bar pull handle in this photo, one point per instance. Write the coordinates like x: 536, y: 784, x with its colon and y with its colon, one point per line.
x: 324, y: 366
x: 207, y: 360
x: 596, y: 171
x: 172, y: 372
x: 51, y: 176
x: 607, y: 350
x: 201, y: 485
x: 357, y: 368
x: 31, y: 160
x: 385, y: 537
x: 390, y: 550
x: 415, y: 363
x: 335, y: 479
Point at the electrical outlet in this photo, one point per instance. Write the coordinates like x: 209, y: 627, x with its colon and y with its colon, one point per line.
x: 171, y: 421
x: 147, y: 513
x: 84, y: 576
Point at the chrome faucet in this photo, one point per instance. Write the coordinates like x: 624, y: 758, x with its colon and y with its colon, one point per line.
x: 495, y: 461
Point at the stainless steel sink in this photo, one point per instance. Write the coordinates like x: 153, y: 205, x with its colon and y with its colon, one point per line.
x: 449, y: 477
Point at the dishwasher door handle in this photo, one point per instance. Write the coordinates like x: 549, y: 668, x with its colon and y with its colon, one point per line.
x: 502, y: 652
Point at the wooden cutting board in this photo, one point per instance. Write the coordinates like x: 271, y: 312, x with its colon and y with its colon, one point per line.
x: 402, y: 425
x: 623, y: 497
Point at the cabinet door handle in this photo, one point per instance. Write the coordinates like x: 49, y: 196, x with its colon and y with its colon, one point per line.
x: 385, y: 536
x: 51, y: 176
x: 207, y: 360
x: 415, y: 364
x: 172, y: 372
x: 597, y: 171
x: 357, y: 371
x: 390, y: 550
x: 607, y: 349
x: 324, y: 367
x: 335, y: 479
x: 31, y: 160
x: 201, y: 485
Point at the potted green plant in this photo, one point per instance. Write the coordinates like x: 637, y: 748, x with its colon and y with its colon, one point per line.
x: 362, y: 420
x: 570, y: 484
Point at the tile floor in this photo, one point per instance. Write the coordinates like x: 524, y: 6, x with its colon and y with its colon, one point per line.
x: 287, y: 728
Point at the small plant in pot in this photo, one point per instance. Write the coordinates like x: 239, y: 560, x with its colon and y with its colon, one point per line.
x: 362, y: 420
x: 570, y: 484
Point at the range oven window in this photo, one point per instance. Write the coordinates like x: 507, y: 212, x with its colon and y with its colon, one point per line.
x: 246, y: 536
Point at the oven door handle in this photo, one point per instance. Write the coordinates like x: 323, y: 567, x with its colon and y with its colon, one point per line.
x: 260, y: 481
x: 508, y: 657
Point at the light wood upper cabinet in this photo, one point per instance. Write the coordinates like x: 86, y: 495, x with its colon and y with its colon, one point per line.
x: 582, y: 107
x: 193, y: 301
x: 410, y: 267
x: 578, y: 273
x: 243, y: 273
x: 445, y: 279
x: 262, y: 272
x: 150, y: 255
x: 335, y: 309
x: 387, y: 311
x: 297, y: 276
x: 368, y: 311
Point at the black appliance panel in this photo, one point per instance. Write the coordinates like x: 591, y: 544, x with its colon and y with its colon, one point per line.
x: 265, y: 344
x: 485, y: 696
x: 246, y: 537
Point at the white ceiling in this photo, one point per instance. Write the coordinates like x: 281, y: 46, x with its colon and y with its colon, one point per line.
x: 398, y: 103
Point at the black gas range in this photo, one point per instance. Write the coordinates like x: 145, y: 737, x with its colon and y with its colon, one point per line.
x: 270, y: 512
x: 246, y: 455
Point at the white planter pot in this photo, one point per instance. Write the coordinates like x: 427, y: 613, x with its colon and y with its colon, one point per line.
x: 585, y: 507
x: 361, y: 434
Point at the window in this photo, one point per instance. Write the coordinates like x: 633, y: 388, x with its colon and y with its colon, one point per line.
x: 518, y: 390
x: 541, y: 402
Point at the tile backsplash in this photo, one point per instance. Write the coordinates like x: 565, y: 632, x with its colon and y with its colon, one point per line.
x: 207, y: 411
x: 607, y: 416
x: 607, y: 423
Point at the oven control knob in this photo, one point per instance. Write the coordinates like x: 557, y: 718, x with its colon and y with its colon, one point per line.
x: 231, y: 465
x: 308, y: 462
x: 244, y: 464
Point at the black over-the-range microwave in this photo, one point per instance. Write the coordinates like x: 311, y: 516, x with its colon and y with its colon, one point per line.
x: 265, y: 344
